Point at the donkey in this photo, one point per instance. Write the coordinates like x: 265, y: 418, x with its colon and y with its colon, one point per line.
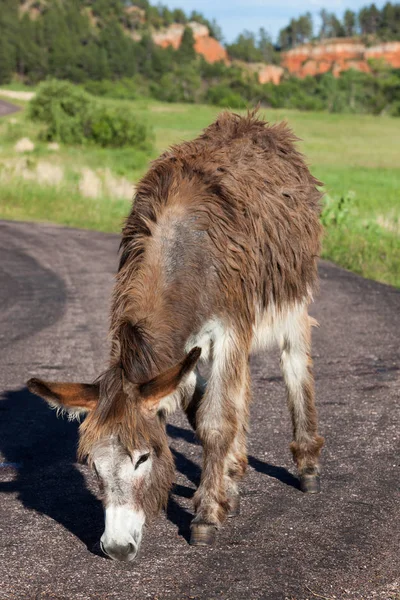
x: 218, y: 257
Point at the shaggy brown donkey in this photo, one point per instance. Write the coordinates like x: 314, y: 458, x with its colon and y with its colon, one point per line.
x: 218, y: 258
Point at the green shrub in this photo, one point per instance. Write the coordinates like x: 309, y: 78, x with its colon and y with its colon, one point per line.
x: 222, y: 95
x: 64, y: 108
x: 125, y: 89
x: 182, y: 84
x: 112, y: 128
x: 395, y: 109
x: 72, y: 116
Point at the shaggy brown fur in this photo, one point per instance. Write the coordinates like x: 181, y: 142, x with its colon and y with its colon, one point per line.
x: 224, y: 228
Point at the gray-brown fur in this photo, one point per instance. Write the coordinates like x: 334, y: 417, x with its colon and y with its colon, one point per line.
x: 223, y: 228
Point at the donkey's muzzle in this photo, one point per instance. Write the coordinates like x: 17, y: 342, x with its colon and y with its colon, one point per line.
x: 125, y: 553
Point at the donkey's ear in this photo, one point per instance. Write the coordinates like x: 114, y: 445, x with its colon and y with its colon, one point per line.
x: 168, y: 382
x: 73, y: 398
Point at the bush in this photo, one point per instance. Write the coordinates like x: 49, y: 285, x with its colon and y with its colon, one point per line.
x: 74, y: 117
x: 125, y: 89
x: 112, y: 128
x: 64, y: 108
x: 222, y: 95
x: 183, y: 84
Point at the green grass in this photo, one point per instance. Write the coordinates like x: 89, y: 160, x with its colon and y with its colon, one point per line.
x: 17, y: 86
x: 33, y: 202
x: 349, y: 153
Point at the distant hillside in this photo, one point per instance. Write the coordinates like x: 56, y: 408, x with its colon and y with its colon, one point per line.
x: 124, y: 49
x: 138, y: 18
x: 102, y: 39
x: 338, y: 55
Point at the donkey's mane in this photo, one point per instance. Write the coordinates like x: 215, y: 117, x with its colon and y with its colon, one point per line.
x: 117, y: 412
x: 119, y: 415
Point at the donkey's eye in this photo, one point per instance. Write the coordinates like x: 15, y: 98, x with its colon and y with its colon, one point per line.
x: 142, y: 459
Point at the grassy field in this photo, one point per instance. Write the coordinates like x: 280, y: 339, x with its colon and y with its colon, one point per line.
x: 356, y: 157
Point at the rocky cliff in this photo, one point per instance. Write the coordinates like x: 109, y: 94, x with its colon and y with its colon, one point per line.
x: 338, y: 55
x: 205, y: 45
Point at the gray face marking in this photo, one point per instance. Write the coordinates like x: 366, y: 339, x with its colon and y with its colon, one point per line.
x: 122, y: 476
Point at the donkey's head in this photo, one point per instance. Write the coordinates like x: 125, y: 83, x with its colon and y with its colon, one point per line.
x: 124, y: 439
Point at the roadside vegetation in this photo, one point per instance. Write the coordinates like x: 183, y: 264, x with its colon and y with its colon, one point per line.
x: 91, y: 186
x: 108, y: 47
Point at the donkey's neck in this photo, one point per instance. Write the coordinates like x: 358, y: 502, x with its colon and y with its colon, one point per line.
x: 157, y: 300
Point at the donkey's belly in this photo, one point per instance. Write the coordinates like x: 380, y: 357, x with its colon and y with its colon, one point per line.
x: 273, y: 324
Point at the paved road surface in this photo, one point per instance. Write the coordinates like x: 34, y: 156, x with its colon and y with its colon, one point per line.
x: 6, y: 108
x: 343, y: 544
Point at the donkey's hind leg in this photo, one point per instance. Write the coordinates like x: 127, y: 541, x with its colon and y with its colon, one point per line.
x: 297, y: 371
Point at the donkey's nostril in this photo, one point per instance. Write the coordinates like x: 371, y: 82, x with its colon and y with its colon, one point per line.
x: 102, y: 548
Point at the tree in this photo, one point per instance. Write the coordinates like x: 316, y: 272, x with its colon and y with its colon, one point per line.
x: 265, y: 46
x: 9, y: 37
x: 6, y: 66
x: 389, y: 26
x: 31, y: 59
x: 297, y: 32
x: 179, y: 16
x: 186, y: 51
x: 330, y: 26
x: 304, y: 28
x: 245, y: 48
x: 180, y: 84
x: 215, y: 30
x: 349, y: 22
x: 336, y: 28
x: 369, y: 19
x: 285, y: 40
x: 324, y: 29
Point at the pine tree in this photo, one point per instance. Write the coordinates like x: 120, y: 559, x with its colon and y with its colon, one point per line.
x: 186, y: 51
x: 349, y: 21
x: 6, y: 66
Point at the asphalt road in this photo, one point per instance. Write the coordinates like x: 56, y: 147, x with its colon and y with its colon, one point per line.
x: 6, y: 108
x: 342, y: 544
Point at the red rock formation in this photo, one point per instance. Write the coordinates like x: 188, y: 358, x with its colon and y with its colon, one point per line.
x: 205, y: 45
x: 270, y: 74
x: 388, y: 51
x: 338, y: 55
x: 265, y: 73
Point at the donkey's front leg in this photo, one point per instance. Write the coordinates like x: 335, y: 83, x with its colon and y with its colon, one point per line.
x: 217, y: 426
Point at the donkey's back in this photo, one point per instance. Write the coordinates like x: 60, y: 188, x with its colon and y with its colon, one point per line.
x: 239, y: 204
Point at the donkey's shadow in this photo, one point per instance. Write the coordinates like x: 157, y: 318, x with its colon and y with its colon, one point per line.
x: 192, y: 471
x: 180, y: 516
x: 42, y: 450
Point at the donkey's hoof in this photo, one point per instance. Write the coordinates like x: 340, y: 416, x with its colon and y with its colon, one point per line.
x: 234, y: 506
x: 310, y: 484
x: 202, y: 534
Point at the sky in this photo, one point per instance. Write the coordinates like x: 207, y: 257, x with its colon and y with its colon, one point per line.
x: 233, y: 16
